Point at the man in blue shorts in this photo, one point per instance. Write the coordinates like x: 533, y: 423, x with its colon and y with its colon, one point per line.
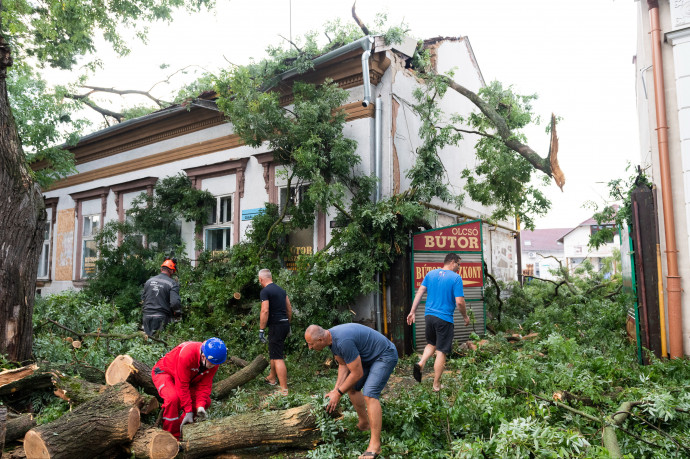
x: 366, y: 360
x: 444, y: 293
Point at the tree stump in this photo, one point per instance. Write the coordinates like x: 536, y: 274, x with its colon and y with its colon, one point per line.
x: 222, y: 389
x: 18, y: 427
x: 125, y: 368
x: 90, y: 429
x: 294, y: 427
x: 152, y: 443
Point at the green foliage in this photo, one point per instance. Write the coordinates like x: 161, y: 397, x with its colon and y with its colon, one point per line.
x: 501, y: 177
x: 619, y: 213
x: 56, y: 33
x: 122, y: 269
x: 61, y: 34
x: 43, y: 119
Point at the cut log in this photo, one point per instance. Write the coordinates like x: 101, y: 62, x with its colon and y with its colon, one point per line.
x: 125, y: 368
x: 294, y: 427
x: 24, y: 379
x: 77, y: 391
x: 152, y: 443
x: 222, y: 389
x: 100, y: 425
x: 18, y: 427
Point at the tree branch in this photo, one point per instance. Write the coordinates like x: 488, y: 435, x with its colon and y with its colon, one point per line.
x: 291, y: 42
x: 546, y: 165
x: 123, y: 92
x: 359, y: 22
x: 117, y: 336
x: 103, y: 111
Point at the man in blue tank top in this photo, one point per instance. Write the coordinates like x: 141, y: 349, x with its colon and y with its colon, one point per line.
x: 366, y: 360
x: 444, y: 293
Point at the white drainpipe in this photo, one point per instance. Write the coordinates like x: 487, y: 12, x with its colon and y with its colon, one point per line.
x: 378, y: 161
x: 365, y: 44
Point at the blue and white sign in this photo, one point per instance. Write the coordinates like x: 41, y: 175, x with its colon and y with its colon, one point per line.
x: 249, y: 214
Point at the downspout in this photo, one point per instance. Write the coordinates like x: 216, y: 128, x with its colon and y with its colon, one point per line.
x: 378, y: 160
x: 365, y: 44
x: 673, y: 281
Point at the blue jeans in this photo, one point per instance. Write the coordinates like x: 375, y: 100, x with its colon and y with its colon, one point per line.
x: 376, y: 374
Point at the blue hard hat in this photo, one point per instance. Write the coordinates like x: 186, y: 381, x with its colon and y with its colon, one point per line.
x: 214, y: 350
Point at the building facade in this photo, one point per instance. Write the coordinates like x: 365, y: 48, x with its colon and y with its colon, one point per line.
x: 542, y: 250
x: 662, y: 65
x: 116, y: 164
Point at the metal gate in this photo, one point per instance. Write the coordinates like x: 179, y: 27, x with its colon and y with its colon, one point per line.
x: 429, y: 248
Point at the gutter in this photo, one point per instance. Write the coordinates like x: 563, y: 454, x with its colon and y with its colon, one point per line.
x: 365, y: 43
x: 673, y: 280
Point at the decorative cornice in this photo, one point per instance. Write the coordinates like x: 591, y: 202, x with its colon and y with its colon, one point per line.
x: 90, y: 194
x: 353, y: 111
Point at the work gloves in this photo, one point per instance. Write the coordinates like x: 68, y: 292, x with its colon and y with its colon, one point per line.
x: 188, y: 418
x: 262, y: 337
x: 200, y: 414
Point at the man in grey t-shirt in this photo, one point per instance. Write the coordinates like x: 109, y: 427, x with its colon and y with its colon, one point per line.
x: 366, y: 360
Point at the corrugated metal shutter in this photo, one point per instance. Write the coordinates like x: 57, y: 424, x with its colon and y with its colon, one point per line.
x: 473, y: 299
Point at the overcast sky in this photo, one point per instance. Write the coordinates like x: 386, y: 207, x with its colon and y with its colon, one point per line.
x: 576, y: 55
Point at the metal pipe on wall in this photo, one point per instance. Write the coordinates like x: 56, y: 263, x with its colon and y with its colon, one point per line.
x: 673, y: 280
x: 378, y: 160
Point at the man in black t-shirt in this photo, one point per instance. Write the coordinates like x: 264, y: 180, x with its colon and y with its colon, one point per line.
x: 276, y: 313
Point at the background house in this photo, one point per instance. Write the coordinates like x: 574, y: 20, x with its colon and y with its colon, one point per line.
x: 116, y: 164
x: 575, y: 245
x: 537, y: 247
x: 662, y: 65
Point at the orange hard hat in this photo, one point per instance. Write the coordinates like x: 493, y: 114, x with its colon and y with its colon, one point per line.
x: 170, y: 265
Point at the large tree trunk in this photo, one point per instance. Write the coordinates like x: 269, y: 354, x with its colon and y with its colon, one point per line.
x: 125, y: 368
x: 294, y: 427
x: 222, y: 389
x: 19, y: 426
x: 22, y: 221
x: 152, y: 443
x: 92, y: 428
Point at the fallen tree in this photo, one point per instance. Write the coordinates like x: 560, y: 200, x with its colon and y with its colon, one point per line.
x: 100, y: 424
x: 222, y: 389
x: 294, y: 427
x: 77, y: 391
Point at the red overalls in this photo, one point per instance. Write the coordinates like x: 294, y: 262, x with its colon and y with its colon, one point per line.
x: 179, y: 383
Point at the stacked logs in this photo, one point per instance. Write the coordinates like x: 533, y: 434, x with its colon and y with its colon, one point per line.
x: 104, y: 420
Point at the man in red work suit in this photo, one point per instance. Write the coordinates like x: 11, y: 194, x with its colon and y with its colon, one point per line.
x: 184, y: 377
